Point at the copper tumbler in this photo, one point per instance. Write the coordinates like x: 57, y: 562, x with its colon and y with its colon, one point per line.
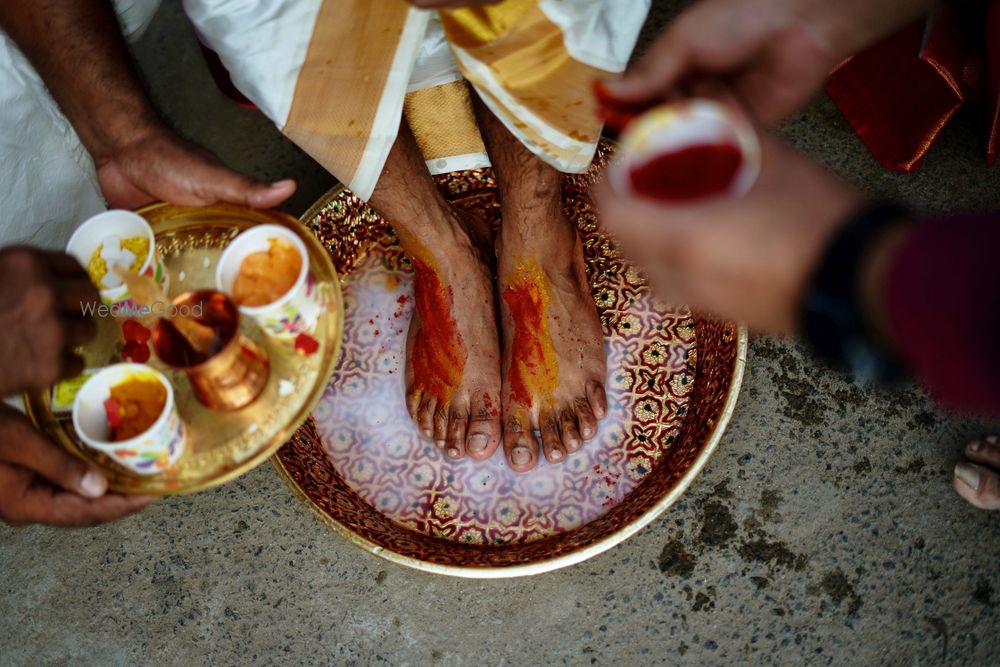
x: 233, y: 372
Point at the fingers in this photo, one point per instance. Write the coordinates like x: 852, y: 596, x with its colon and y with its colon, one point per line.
x: 270, y: 195
x: 211, y: 183
x: 63, y: 265
x: 78, y: 331
x: 179, y: 172
x: 40, y: 483
x: 657, y: 72
x: 72, y: 365
x: 50, y: 506
x: 22, y: 445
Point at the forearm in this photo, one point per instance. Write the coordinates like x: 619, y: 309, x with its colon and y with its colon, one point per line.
x: 939, y: 299
x: 77, y: 48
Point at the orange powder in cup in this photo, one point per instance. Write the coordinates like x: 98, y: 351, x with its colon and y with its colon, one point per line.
x: 534, y: 369
x: 133, y: 407
x: 266, y: 276
x: 438, y: 352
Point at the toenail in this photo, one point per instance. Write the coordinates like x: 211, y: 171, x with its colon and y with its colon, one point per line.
x: 975, y: 446
x: 477, y: 443
x: 587, y: 431
x: 557, y: 455
x: 439, y: 443
x: 969, y: 475
x: 453, y: 452
x: 572, y: 444
x: 520, y: 455
x: 992, y: 439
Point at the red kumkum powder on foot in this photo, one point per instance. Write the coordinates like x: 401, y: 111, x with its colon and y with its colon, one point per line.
x: 534, y: 369
x: 438, y: 352
x: 691, y: 173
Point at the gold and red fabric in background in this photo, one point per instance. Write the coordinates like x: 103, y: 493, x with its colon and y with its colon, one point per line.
x: 899, y: 94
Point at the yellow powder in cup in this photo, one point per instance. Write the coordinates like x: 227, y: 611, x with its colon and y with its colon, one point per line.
x: 97, y: 268
x: 134, y: 406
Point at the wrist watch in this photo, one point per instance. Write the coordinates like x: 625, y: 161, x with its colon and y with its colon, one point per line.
x: 832, y: 318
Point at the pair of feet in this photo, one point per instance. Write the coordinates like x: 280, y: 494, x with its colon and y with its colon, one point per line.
x: 978, y: 479
x: 505, y: 338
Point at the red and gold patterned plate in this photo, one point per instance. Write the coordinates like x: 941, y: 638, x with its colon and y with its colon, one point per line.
x: 672, y: 383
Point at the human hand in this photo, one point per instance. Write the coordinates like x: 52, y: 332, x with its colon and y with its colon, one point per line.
x: 774, y: 55
x: 40, y: 483
x: 748, y: 258
x: 42, y: 318
x: 158, y: 165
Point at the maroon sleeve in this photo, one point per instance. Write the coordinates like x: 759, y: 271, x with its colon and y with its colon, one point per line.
x: 943, y: 304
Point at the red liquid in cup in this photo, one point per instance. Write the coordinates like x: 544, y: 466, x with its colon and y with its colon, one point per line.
x: 691, y: 173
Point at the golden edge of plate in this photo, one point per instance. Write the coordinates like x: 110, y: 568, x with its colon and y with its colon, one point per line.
x: 572, y: 558
x: 265, y: 453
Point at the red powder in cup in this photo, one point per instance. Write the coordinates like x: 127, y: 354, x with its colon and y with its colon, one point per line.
x: 694, y: 172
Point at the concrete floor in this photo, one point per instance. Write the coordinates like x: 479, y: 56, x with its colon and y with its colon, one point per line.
x: 824, y: 530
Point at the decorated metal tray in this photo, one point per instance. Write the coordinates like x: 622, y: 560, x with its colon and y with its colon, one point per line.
x: 672, y: 384
x: 219, y: 446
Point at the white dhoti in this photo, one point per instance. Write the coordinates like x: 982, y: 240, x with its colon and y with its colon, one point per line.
x: 335, y: 75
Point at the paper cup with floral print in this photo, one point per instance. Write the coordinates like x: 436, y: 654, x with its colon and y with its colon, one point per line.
x: 148, y: 453
x: 94, y: 232
x: 297, y: 310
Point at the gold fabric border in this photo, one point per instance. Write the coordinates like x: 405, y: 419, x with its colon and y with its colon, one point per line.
x: 342, y: 81
x: 443, y: 121
x: 530, y: 62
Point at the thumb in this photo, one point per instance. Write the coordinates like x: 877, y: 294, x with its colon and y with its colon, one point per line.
x: 22, y: 445
x: 211, y: 183
x: 266, y: 195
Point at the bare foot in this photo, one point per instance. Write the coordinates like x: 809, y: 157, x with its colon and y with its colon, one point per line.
x: 553, y: 347
x: 453, y: 360
x: 553, y: 367
x: 979, y: 482
x: 452, y: 365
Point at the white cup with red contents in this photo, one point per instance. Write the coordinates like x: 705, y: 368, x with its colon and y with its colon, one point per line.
x: 294, y: 312
x: 149, y: 453
x: 687, y: 151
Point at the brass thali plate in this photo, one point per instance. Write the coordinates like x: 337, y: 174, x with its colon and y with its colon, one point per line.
x: 220, y: 445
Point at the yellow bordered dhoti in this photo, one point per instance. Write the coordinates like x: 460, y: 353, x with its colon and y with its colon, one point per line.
x: 336, y: 75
